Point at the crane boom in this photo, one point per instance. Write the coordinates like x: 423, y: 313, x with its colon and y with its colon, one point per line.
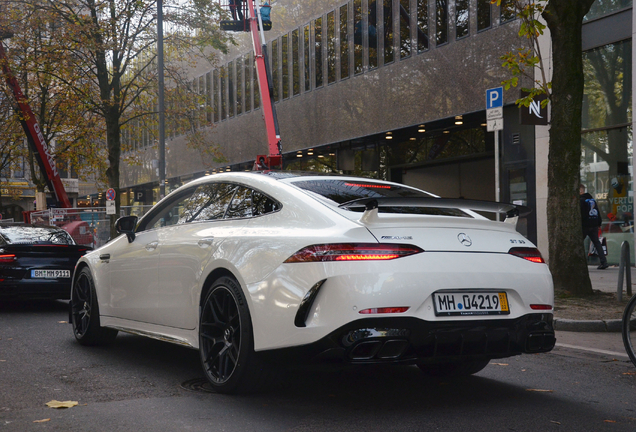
x: 254, y: 24
x: 32, y: 129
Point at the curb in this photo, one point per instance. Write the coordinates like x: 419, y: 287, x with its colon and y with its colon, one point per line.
x: 588, y: 325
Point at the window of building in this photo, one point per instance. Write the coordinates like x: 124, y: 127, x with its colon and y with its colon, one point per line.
x: 604, y: 7
x: 295, y: 62
x: 239, y: 86
x: 231, y: 90
x: 344, y: 41
x: 275, y: 72
x: 223, y: 92
x: 405, y: 28
x: 388, y: 31
x: 331, y: 47
x: 201, y: 101
x: 247, y: 67
x: 306, y: 58
x: 257, y: 92
x: 318, y: 51
x: 422, y: 25
x: 507, y: 11
x: 372, y: 32
x: 607, y: 140
x: 441, y: 22
x: 358, y: 48
x: 462, y: 18
x: 208, y: 96
x: 216, y: 107
x: 285, y: 64
x: 483, y: 14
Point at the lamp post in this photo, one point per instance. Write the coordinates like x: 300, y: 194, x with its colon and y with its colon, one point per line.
x: 160, y: 96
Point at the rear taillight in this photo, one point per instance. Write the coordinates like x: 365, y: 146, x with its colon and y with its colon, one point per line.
x: 353, y: 252
x: 540, y: 307
x: 7, y: 258
x: 530, y: 254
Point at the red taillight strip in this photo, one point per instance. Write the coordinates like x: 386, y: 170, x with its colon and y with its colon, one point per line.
x: 540, y: 307
x: 7, y: 258
x: 352, y: 252
x: 527, y: 253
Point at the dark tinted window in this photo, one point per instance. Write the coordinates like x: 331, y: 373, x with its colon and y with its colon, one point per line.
x: 342, y: 191
x: 218, y: 197
x: 35, y: 235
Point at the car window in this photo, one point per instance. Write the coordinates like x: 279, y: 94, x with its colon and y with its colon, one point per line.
x: 172, y: 212
x: 36, y: 235
x: 218, y: 196
x: 241, y: 205
x: 262, y: 204
x: 342, y: 191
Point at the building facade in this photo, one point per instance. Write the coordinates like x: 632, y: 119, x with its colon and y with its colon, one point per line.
x: 396, y: 89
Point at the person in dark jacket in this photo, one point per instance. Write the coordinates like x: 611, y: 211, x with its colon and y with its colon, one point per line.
x: 591, y: 220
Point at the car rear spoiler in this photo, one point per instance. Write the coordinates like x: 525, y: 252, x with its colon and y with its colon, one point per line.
x: 512, y: 211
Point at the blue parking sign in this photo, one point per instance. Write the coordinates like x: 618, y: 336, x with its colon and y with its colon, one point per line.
x: 494, y: 97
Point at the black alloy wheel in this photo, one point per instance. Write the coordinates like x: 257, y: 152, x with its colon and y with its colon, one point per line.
x: 226, y: 343
x: 85, y: 312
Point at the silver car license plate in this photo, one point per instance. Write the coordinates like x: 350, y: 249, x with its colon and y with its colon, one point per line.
x: 50, y: 274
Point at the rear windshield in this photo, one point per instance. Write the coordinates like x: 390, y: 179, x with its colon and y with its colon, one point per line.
x: 35, y: 235
x: 342, y: 191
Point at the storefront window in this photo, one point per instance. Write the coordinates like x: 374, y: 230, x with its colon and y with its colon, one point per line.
x: 607, y: 141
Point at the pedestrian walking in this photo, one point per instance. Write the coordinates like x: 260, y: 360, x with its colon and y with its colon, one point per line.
x: 236, y: 7
x: 591, y: 221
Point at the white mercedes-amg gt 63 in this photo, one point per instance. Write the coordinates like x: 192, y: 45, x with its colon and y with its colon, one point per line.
x: 254, y: 267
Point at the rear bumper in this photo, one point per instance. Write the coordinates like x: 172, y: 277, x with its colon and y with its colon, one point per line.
x: 30, y: 289
x: 411, y: 340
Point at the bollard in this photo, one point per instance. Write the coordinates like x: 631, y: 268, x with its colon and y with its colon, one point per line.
x: 624, y: 268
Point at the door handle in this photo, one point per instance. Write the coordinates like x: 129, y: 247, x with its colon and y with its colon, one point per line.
x: 152, y: 246
x: 104, y: 257
x: 205, y: 242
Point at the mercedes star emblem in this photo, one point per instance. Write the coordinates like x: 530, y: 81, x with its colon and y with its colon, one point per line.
x: 464, y: 239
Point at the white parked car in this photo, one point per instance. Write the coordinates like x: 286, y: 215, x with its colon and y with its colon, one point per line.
x: 250, y: 267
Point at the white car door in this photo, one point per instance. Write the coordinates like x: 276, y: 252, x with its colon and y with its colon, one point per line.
x: 133, y: 276
x: 187, y: 248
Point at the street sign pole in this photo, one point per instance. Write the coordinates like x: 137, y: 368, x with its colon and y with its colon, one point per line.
x: 494, y: 119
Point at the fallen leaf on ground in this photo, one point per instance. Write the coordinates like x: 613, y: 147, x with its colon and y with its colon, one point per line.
x: 555, y: 422
x: 41, y: 421
x: 540, y: 390
x: 500, y: 364
x: 62, y: 322
x: 58, y: 404
x: 609, y: 421
x: 629, y: 373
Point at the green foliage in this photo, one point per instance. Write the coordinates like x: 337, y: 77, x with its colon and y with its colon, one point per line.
x: 524, y: 61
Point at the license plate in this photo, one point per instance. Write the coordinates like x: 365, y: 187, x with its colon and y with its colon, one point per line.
x: 50, y: 274
x: 471, y: 303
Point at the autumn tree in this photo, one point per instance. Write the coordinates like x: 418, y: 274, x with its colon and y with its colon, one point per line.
x: 110, y: 46
x: 12, y: 147
x: 564, y: 19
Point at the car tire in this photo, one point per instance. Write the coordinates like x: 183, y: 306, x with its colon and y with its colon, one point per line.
x: 455, y: 368
x: 85, y: 312
x: 226, y: 340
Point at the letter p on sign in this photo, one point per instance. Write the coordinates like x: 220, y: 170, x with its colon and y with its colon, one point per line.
x: 494, y: 97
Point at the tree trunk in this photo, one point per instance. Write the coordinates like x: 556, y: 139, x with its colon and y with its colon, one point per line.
x: 568, y: 262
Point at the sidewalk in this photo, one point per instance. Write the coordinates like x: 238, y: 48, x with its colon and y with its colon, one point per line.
x: 602, y: 280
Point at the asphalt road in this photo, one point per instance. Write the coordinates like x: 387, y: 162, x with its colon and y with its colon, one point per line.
x: 138, y: 385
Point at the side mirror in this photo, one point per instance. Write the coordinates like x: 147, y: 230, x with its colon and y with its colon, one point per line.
x: 126, y: 225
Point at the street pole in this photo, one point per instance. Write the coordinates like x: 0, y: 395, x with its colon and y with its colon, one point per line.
x: 497, y: 187
x: 162, y: 114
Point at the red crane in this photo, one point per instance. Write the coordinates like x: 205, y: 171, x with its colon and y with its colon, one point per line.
x: 248, y: 17
x: 32, y: 129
